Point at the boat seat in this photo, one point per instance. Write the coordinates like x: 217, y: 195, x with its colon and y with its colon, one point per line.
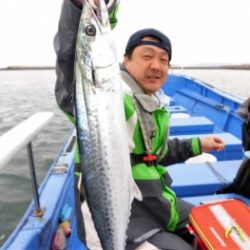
x: 171, y: 101
x: 176, y: 109
x: 220, y: 111
x: 197, y: 200
x: 232, y: 150
x: 191, y: 125
x: 194, y: 179
x: 180, y: 115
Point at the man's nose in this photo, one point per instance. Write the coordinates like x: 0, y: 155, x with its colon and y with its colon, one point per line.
x: 155, y: 63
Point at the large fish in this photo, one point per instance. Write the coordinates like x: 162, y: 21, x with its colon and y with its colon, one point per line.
x: 101, y: 128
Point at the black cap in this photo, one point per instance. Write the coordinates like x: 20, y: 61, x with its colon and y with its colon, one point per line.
x: 136, y: 40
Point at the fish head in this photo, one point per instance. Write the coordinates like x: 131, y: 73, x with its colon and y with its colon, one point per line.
x: 97, y: 17
x: 95, y: 47
x: 94, y: 22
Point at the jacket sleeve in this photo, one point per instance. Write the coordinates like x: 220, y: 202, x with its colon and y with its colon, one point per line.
x: 64, y: 45
x: 180, y: 150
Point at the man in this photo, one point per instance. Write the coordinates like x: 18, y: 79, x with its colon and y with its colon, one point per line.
x: 160, y: 218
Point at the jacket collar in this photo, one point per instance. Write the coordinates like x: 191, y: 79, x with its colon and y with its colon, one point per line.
x: 149, y: 102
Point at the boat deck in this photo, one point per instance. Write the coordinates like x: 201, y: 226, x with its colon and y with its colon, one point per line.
x: 214, y: 175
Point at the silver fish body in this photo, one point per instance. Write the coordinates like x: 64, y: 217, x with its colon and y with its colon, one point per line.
x: 101, y: 128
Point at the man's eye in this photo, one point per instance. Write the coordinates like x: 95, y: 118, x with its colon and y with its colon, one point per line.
x: 164, y: 60
x: 146, y: 57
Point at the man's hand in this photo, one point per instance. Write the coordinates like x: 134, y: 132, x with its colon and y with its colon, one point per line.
x: 112, y: 6
x: 93, y: 3
x: 211, y: 143
x: 78, y: 2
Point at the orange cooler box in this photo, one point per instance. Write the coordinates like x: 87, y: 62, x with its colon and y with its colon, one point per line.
x: 221, y: 225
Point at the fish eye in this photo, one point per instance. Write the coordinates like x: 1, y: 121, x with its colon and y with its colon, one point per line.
x: 90, y: 30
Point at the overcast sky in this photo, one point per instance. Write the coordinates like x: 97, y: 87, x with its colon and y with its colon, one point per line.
x: 201, y: 31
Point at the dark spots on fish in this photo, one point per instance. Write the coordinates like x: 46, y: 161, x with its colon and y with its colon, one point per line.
x: 90, y: 30
x: 93, y: 77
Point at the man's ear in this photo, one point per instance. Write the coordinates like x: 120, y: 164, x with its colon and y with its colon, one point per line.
x: 125, y: 62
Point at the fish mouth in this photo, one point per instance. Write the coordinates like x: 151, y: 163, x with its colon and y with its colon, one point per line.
x: 109, y: 3
x: 97, y: 15
x: 93, y: 4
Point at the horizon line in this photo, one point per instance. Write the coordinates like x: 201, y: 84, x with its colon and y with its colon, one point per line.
x: 174, y: 66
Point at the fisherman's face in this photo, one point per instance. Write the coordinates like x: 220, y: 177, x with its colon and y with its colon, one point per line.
x: 148, y: 65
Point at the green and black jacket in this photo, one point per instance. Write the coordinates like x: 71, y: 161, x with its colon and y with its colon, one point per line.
x: 151, y: 176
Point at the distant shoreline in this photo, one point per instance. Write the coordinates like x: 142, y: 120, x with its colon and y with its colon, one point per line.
x: 28, y: 68
x: 232, y: 67
x: 221, y: 67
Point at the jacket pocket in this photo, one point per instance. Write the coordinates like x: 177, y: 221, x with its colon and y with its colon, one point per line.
x: 167, y: 179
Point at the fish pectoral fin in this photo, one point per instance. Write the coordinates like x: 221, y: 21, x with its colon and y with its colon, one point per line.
x: 137, y: 192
